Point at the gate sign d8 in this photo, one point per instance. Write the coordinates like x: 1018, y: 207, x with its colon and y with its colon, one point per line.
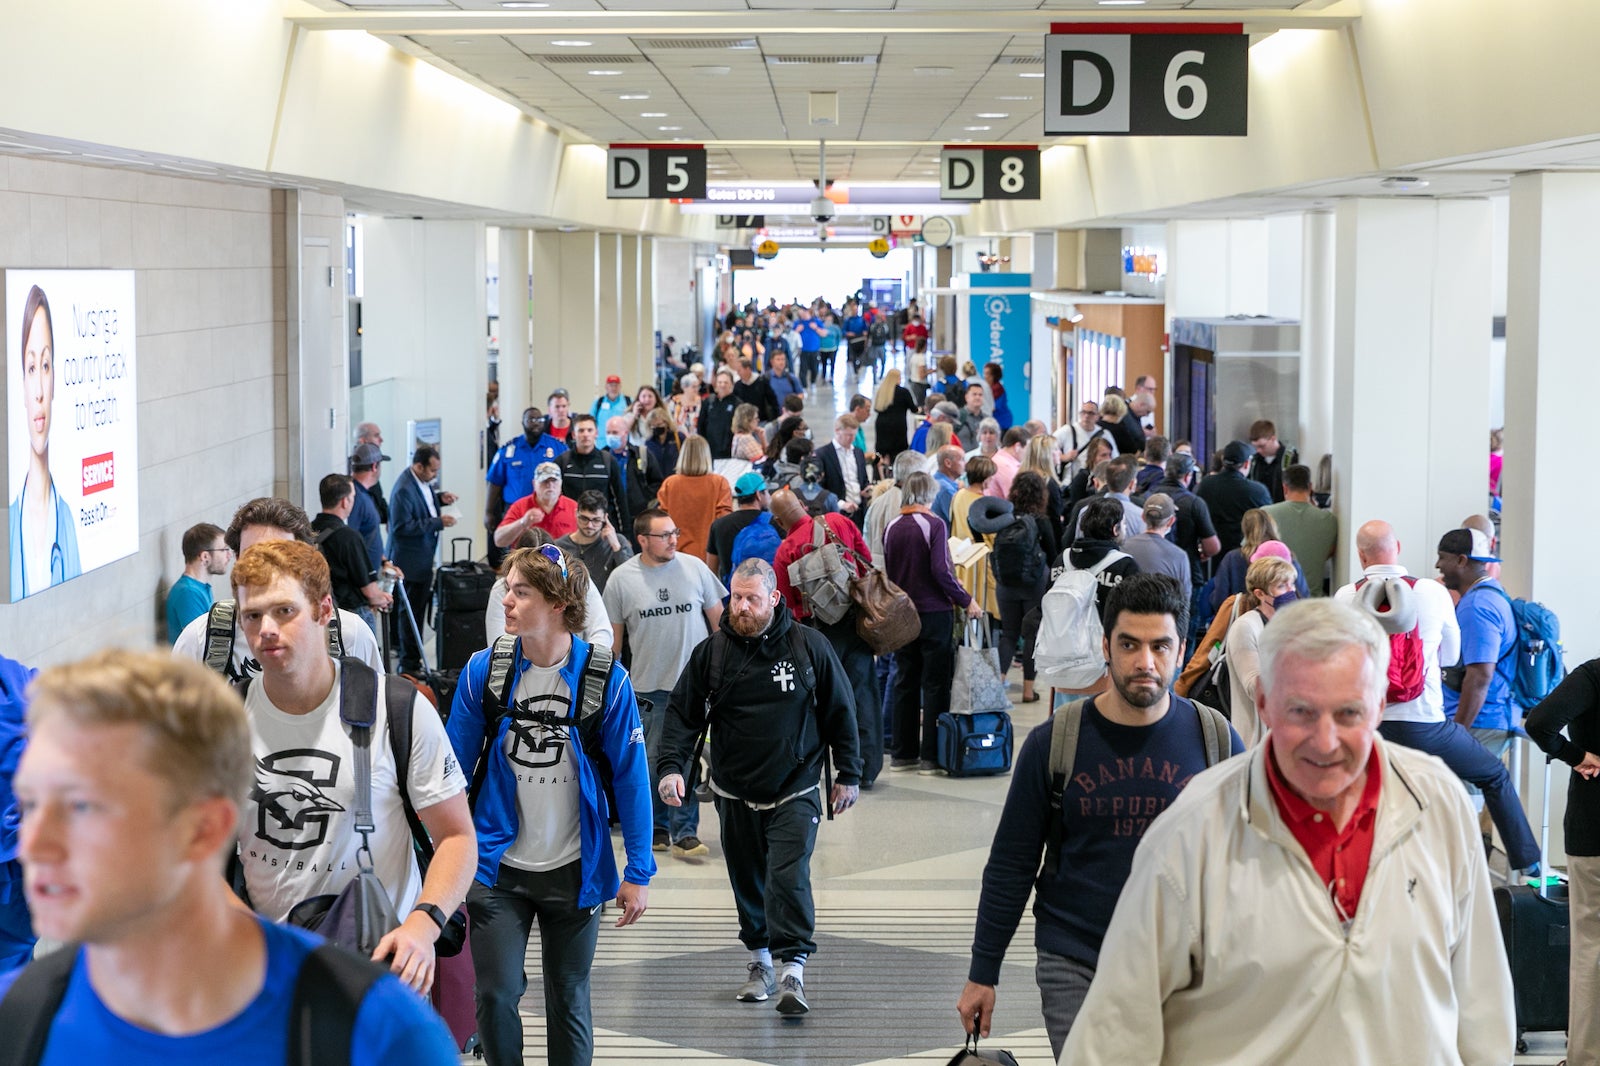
x: 1147, y: 79
x: 993, y: 173
x: 652, y: 172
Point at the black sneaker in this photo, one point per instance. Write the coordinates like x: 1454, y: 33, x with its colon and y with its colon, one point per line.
x: 689, y: 848
x: 792, y: 997
x: 659, y: 841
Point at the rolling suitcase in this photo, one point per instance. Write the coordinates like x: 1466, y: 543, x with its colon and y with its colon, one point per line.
x: 437, y: 686
x: 461, y: 595
x: 453, y: 997
x: 975, y: 745
x: 1536, y: 927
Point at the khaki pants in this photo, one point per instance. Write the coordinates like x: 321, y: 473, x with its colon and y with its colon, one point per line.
x: 1583, y: 1010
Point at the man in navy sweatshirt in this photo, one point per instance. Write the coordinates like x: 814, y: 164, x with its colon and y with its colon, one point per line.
x: 1138, y: 746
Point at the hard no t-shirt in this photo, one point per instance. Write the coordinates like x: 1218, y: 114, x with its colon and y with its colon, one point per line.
x: 392, y: 1023
x: 297, y: 833
x: 662, y: 608
x: 540, y: 754
x: 357, y: 636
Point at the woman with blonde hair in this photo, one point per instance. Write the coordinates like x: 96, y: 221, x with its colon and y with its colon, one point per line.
x: 893, y: 403
x: 1269, y: 586
x: 749, y: 443
x: 1257, y: 528
x: 940, y: 435
x: 1041, y: 457
x: 695, y: 497
x: 664, y: 440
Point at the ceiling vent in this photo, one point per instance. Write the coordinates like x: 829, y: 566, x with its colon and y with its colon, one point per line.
x: 695, y: 44
x: 584, y: 60
x: 822, y: 61
x: 1022, y: 61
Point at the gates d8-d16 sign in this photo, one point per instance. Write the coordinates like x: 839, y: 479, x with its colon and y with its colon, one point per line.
x: 1147, y: 79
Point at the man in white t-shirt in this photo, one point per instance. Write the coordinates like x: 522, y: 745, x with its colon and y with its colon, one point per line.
x: 297, y: 836
x: 667, y: 602
x: 1421, y: 722
x: 267, y: 518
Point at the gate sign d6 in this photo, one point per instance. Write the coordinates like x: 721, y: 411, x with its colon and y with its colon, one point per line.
x: 999, y: 173
x: 1155, y: 79
x: 652, y: 172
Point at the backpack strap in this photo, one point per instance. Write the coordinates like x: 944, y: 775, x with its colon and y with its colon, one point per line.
x: 807, y: 670
x: 1064, y: 729
x: 400, y: 701
x: 29, y: 1008
x: 336, y: 636
x: 358, y: 709
x: 496, y: 704
x: 327, y: 996
x: 592, y: 701
x: 1214, y: 728
x: 219, y: 635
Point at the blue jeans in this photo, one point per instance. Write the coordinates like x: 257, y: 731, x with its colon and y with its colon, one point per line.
x: 883, y: 667
x: 679, y: 822
x: 502, y: 918
x: 1472, y: 762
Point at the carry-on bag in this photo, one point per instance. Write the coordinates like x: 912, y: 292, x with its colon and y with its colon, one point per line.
x: 977, y: 684
x: 975, y: 745
x: 1536, y: 926
x: 461, y: 596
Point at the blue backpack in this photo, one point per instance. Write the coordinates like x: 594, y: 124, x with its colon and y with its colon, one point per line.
x: 1539, y: 667
x: 758, y: 540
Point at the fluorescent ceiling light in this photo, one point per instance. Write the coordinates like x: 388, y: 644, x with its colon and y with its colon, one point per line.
x: 1031, y: 74
x: 976, y: 129
x: 652, y: 114
x: 1013, y: 98
x: 932, y: 72
x: 994, y: 114
x: 522, y: 5
x: 614, y: 73
x: 1121, y: 3
x: 713, y: 72
x: 669, y: 129
x: 572, y: 44
x: 634, y: 96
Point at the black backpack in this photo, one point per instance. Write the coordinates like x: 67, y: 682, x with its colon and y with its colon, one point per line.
x: 1015, y: 554
x: 322, y: 1017
x: 591, y: 704
x: 878, y: 332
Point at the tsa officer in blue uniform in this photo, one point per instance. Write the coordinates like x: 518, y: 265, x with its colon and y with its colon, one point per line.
x: 510, y: 475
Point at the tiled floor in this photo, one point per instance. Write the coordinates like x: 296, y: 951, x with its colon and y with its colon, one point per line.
x: 896, y: 883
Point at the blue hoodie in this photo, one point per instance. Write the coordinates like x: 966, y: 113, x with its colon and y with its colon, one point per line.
x: 494, y: 813
x: 14, y: 678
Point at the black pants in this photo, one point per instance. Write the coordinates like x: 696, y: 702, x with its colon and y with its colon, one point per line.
x: 769, y: 868
x: 923, y: 671
x: 502, y: 917
x: 856, y: 658
x: 419, y: 593
x: 1014, y: 605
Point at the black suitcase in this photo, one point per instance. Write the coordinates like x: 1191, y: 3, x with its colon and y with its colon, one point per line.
x: 975, y: 745
x: 1536, y: 926
x: 461, y: 595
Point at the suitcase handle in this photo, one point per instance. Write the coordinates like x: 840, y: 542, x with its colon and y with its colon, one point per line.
x: 455, y: 548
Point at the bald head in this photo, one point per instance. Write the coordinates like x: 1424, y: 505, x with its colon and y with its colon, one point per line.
x: 1482, y: 524
x: 952, y: 460
x: 1376, y: 544
x: 787, y: 510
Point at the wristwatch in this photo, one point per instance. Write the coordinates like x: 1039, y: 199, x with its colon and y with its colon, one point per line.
x: 433, y: 911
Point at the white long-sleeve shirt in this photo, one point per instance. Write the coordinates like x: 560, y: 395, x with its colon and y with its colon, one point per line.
x: 1225, y: 947
x: 1441, y: 641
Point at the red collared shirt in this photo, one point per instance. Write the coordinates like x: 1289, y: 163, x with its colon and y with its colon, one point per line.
x: 1340, y: 857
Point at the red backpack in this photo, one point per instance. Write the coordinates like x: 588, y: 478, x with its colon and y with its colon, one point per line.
x: 1407, y: 663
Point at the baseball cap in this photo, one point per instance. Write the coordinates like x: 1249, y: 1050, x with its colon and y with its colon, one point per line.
x: 1472, y: 543
x: 368, y: 454
x: 749, y: 484
x: 1273, y: 548
x: 546, y: 472
x: 612, y: 379
x: 1237, y: 453
x: 948, y: 410
x: 1158, y: 508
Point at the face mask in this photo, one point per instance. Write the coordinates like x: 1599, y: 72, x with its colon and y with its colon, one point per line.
x: 1280, y: 602
x: 614, y: 441
x: 808, y: 434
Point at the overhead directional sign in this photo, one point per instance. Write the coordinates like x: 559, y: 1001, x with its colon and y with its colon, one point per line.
x: 655, y: 172
x: 741, y: 221
x: 879, y: 247
x: 1146, y: 78
x: 1003, y: 172
x: 880, y: 225
x: 767, y: 249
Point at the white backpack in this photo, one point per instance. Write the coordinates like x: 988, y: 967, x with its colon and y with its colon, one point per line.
x: 1069, y: 651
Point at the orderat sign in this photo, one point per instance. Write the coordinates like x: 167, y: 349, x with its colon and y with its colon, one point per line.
x: 1007, y: 172
x: 1152, y: 79
x: 655, y: 172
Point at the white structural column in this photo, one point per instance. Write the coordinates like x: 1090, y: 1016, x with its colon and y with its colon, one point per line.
x: 514, y: 367
x: 628, y: 311
x: 1547, y: 534
x: 609, y: 307
x: 566, y: 315
x: 645, y: 320
x: 1411, y: 380
x: 1317, y: 303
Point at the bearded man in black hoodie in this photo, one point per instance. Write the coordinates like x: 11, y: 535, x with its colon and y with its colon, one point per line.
x: 778, y: 700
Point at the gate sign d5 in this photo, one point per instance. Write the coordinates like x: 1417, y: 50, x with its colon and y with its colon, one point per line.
x: 1155, y: 79
x: 655, y: 172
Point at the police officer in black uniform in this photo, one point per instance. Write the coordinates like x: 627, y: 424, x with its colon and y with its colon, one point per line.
x: 777, y: 699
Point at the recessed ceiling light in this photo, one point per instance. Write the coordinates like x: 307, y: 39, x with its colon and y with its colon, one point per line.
x: 961, y: 140
x: 634, y: 96
x: 614, y: 73
x: 652, y: 114
x: 669, y: 129
x: 933, y: 72
x: 1031, y: 74
x: 522, y: 5
x: 572, y: 44
x: 976, y: 129
x: 713, y: 72
x: 1121, y: 3
x: 994, y: 114
x: 1013, y: 98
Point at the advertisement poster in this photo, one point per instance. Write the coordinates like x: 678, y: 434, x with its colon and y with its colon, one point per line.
x: 72, y: 431
x: 1001, y: 328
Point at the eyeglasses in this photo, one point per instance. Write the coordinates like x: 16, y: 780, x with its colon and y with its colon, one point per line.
x: 591, y: 519
x: 671, y: 534
x: 225, y: 550
x: 553, y: 553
